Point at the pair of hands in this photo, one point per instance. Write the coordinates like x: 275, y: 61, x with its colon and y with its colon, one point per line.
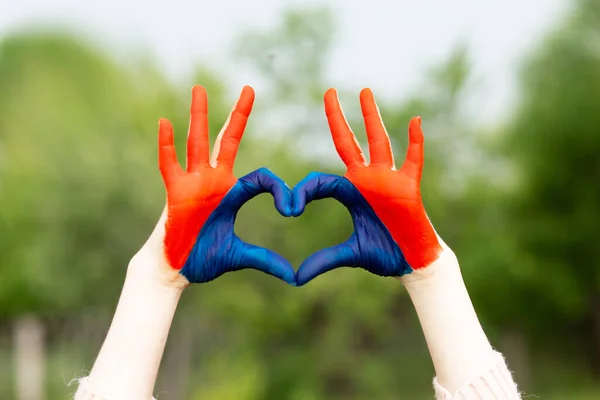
x: 392, y: 233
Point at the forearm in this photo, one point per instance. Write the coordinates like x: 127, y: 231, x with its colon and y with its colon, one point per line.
x: 128, y: 362
x: 458, y: 345
x: 459, y: 348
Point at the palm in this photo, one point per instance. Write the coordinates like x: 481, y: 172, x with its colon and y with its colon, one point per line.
x: 392, y: 186
x: 200, y: 187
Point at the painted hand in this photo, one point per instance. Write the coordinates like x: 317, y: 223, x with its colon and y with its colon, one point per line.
x: 202, y: 202
x: 392, y: 233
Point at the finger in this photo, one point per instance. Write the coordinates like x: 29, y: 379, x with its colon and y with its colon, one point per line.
x: 344, y: 140
x: 318, y: 186
x: 380, y: 148
x: 255, y: 183
x: 413, y: 164
x: 342, y: 255
x: 261, y: 259
x: 197, y: 142
x: 167, y: 157
x: 229, y: 138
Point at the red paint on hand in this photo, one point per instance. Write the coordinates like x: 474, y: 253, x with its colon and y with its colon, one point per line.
x: 192, y: 195
x: 394, y: 195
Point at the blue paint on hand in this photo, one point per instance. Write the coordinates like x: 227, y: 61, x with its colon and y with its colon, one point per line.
x: 370, y: 246
x: 219, y: 250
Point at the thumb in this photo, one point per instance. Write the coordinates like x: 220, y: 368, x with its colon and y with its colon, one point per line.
x: 342, y: 255
x: 247, y: 255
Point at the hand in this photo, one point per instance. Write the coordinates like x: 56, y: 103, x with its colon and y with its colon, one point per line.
x: 392, y: 233
x: 202, y: 202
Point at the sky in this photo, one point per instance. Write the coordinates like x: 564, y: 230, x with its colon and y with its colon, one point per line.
x: 382, y: 44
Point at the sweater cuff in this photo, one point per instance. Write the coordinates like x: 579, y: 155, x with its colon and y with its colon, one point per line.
x: 494, y: 383
x: 84, y: 392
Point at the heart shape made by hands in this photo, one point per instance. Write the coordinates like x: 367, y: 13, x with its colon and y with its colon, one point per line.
x: 370, y: 246
x: 392, y: 233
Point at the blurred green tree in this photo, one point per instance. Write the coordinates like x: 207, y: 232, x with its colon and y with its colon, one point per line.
x: 80, y: 192
x: 554, y: 211
x: 79, y: 184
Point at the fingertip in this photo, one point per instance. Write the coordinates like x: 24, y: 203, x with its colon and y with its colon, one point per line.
x: 283, y: 269
x: 163, y: 123
x: 301, y: 277
x: 330, y: 92
x: 282, y: 195
x: 284, y: 209
x: 290, y: 279
x: 366, y: 94
x: 248, y: 93
x: 298, y: 201
x: 198, y: 90
x: 286, y: 273
x: 165, y: 131
x: 305, y: 274
x: 332, y: 103
x: 312, y: 267
x: 245, y: 102
x: 248, y: 89
x: 300, y: 282
x: 297, y: 211
x: 199, y: 99
x: 415, y: 133
x: 368, y: 105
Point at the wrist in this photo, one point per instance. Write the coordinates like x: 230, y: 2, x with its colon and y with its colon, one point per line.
x: 444, y: 267
x: 151, y: 269
x: 150, y: 277
x: 150, y: 262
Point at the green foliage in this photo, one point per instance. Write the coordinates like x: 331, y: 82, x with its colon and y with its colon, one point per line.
x: 555, y: 142
x: 66, y: 162
x: 80, y: 191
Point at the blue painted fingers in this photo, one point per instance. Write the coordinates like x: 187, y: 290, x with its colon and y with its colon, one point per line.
x: 218, y: 250
x: 370, y: 246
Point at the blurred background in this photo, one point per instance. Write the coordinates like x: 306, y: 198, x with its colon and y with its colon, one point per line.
x: 510, y: 97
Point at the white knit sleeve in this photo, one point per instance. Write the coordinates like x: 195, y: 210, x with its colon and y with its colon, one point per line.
x: 494, y: 383
x: 84, y: 392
